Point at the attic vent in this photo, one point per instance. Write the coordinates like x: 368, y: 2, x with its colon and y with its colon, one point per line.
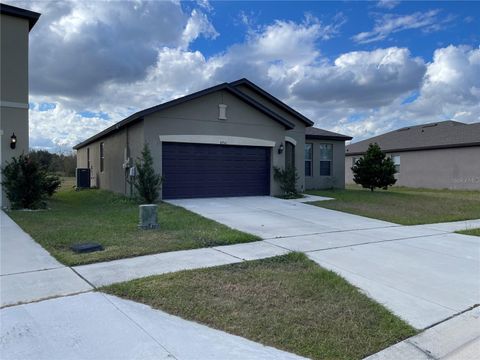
x: 222, y: 112
x: 429, y: 125
x: 404, y: 129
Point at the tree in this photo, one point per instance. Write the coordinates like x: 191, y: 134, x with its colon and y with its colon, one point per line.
x: 374, y: 169
x: 26, y: 184
x: 147, y: 182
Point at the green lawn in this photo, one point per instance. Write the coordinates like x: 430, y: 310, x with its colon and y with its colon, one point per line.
x: 474, y: 232
x: 406, y: 206
x: 111, y: 220
x: 287, y: 302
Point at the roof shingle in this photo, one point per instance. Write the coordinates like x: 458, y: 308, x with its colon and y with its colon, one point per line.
x: 445, y: 134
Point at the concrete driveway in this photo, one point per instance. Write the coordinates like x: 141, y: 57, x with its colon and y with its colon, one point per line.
x: 270, y: 217
x: 424, y: 274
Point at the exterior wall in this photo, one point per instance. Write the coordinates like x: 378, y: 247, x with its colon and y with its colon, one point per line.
x: 128, y: 141
x: 14, y: 89
x: 200, y: 117
x: 298, y: 133
x: 456, y: 168
x: 337, y: 180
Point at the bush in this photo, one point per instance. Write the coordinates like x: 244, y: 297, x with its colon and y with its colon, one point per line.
x: 147, y: 182
x: 287, y: 179
x: 374, y: 169
x: 26, y: 185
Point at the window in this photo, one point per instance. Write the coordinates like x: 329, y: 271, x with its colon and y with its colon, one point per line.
x: 326, y: 158
x: 308, y: 159
x: 88, y: 158
x: 396, y: 161
x: 102, y: 156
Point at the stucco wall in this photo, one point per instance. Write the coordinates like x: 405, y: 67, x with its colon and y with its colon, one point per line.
x: 113, y: 177
x: 457, y: 168
x: 200, y: 117
x: 298, y: 133
x: 14, y: 89
x: 337, y: 179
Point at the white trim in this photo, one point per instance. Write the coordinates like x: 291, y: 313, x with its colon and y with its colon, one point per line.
x: 12, y: 104
x: 290, y: 140
x: 217, y: 139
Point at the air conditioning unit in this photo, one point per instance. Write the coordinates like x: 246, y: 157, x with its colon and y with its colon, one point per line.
x: 83, y: 178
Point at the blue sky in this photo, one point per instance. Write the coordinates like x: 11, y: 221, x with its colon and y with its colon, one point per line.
x: 356, y: 67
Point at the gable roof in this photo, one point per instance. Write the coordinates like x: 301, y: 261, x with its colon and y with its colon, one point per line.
x: 225, y: 86
x: 273, y: 99
x: 316, y: 133
x: 31, y: 16
x: 438, y: 135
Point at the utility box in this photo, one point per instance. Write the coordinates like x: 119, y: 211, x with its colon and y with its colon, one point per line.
x: 83, y: 178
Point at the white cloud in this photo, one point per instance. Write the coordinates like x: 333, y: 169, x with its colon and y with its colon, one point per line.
x: 359, y: 93
x: 386, y: 24
x: 387, y: 4
x: 362, y: 79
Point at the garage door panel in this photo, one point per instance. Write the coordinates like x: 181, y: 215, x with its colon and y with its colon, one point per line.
x: 201, y: 170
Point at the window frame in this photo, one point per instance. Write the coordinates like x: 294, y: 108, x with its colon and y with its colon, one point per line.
x: 310, y: 161
x: 329, y: 160
x: 397, y: 165
x: 102, y: 156
x: 88, y: 157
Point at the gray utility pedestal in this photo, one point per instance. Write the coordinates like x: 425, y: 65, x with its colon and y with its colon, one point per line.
x: 148, y: 217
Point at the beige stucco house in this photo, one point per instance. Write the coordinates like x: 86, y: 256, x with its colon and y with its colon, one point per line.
x: 442, y: 155
x: 15, y: 25
x: 221, y: 141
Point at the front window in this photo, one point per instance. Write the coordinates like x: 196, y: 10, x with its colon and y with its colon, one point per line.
x: 396, y: 161
x: 308, y: 159
x: 102, y: 156
x: 326, y: 159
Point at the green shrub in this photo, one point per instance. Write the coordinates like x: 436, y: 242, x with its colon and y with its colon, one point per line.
x: 287, y: 179
x: 147, y: 182
x: 26, y: 185
x: 374, y: 169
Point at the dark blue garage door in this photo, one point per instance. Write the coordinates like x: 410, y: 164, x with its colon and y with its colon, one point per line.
x: 200, y: 170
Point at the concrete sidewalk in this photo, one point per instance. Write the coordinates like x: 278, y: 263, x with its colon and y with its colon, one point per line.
x: 28, y: 272
x: 99, y: 326
x: 454, y: 339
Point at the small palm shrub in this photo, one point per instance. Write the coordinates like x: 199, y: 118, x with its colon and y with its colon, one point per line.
x: 287, y: 179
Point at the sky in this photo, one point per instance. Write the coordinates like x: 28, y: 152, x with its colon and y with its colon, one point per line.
x: 360, y: 68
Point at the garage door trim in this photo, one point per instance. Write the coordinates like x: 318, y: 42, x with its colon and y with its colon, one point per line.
x: 217, y: 140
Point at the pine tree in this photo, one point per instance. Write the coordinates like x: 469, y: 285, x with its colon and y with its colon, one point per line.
x: 374, y: 169
x: 147, y: 182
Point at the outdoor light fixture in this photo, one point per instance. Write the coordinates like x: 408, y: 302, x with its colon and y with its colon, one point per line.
x: 13, y: 141
x: 280, y: 148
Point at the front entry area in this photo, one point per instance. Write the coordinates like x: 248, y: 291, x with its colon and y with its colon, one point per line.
x: 206, y: 170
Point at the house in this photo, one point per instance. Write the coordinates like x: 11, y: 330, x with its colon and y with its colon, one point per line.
x: 221, y: 141
x: 441, y: 155
x: 15, y: 25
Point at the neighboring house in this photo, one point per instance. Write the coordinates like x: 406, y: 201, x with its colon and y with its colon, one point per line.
x: 15, y: 25
x: 442, y: 155
x: 221, y: 141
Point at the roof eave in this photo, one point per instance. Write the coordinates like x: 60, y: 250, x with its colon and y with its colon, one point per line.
x: 328, y: 137
x: 287, y: 108
x: 141, y: 114
x: 420, y: 148
x: 31, y: 16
